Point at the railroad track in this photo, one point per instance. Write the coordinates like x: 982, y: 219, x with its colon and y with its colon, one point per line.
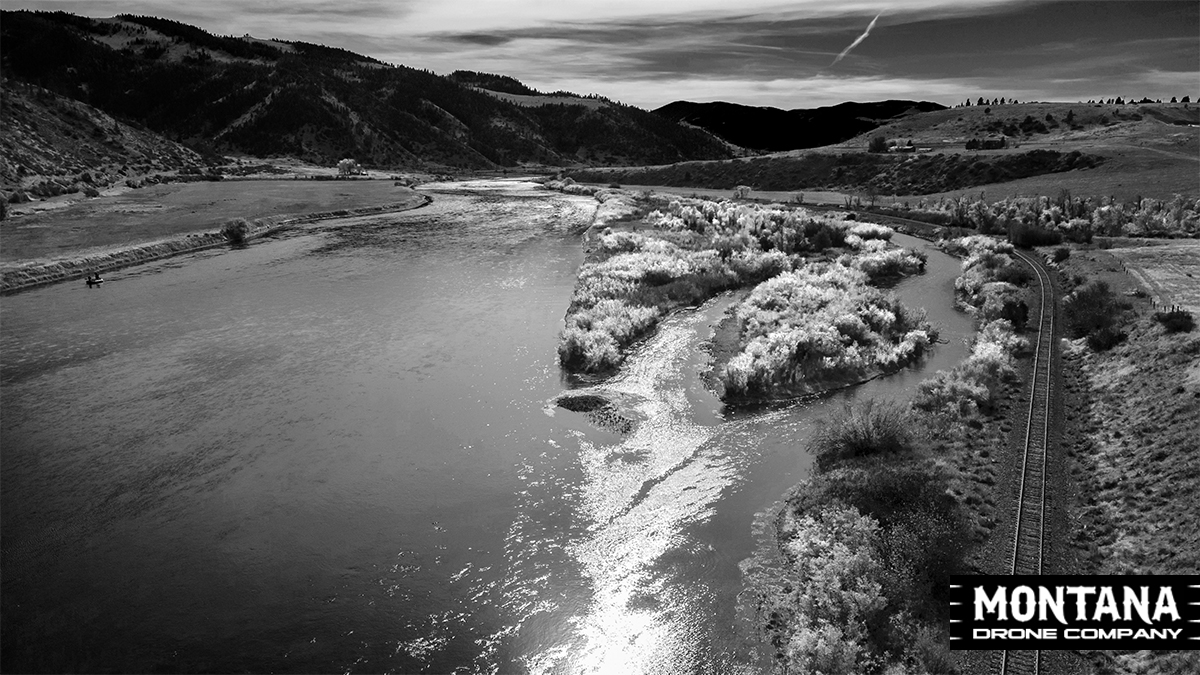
x: 1028, y: 544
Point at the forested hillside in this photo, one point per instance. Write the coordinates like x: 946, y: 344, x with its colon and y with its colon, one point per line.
x: 278, y: 98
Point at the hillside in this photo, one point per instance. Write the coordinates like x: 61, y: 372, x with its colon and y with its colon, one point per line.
x: 875, y: 173
x: 320, y: 104
x: 52, y: 144
x: 1148, y: 150
x: 1162, y: 125
x: 1125, y: 152
x: 766, y: 128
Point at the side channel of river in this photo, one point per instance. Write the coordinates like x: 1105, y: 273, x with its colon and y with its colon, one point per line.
x: 335, y: 451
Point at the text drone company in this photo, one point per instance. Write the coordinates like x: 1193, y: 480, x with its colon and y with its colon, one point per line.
x: 1071, y: 612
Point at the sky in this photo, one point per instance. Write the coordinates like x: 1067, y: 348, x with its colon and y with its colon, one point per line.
x: 797, y: 54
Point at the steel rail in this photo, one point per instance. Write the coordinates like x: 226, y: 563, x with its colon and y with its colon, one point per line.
x: 1027, y: 558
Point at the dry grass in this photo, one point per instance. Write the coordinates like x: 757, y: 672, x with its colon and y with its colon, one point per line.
x: 1171, y: 273
x: 163, y: 211
x: 1131, y: 415
x: 1140, y: 467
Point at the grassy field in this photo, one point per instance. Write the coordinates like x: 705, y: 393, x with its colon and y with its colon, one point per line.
x: 1170, y: 273
x: 1131, y: 413
x: 58, y: 227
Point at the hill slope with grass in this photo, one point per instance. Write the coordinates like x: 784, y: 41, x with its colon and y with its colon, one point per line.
x: 319, y: 104
x: 876, y: 173
x: 53, y: 144
x: 1148, y: 149
x: 1126, y: 152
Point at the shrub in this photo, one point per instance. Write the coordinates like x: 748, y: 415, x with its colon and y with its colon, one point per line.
x: 818, y: 326
x: 971, y: 385
x: 1105, y: 338
x: 1093, y: 310
x: 868, y: 554
x: 922, y: 533
x: 621, y: 297
x: 878, y: 144
x: 835, y: 573
x: 949, y: 392
x: 1003, y: 301
x: 868, y: 428
x: 870, y: 230
x: 1061, y: 254
x: 1023, y: 235
x: 888, y: 263
x: 236, y: 230
x: 1176, y: 320
x: 1015, y: 274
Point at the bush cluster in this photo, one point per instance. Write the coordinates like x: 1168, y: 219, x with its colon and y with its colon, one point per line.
x: 1092, y: 311
x: 236, y: 230
x: 793, y: 230
x: 1176, y: 320
x: 623, y: 296
x: 1072, y: 218
x: 869, y: 551
x: 864, y: 430
x: 821, y: 325
x: 972, y: 385
x: 838, y: 590
x: 1025, y: 235
x: 885, y: 264
x: 699, y: 248
x: 986, y: 286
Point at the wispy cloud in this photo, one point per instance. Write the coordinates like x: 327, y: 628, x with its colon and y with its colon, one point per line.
x: 857, y: 41
x: 768, y: 52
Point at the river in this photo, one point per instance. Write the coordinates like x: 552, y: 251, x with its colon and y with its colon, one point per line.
x: 336, y: 451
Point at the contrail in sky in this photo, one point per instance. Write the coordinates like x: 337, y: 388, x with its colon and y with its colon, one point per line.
x: 857, y: 41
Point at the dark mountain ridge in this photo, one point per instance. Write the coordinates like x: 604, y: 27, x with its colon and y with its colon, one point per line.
x: 219, y: 94
x: 773, y: 129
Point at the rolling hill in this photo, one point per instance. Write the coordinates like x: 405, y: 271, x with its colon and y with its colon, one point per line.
x: 53, y: 144
x: 242, y: 95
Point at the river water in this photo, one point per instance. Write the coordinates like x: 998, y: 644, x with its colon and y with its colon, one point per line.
x: 336, y: 451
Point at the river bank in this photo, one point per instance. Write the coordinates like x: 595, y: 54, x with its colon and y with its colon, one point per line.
x: 18, y: 276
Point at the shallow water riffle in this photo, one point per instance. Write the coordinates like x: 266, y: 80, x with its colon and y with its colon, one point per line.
x: 337, y: 450
x: 670, y: 507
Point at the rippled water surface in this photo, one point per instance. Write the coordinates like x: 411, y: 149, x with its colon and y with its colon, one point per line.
x: 335, y: 451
